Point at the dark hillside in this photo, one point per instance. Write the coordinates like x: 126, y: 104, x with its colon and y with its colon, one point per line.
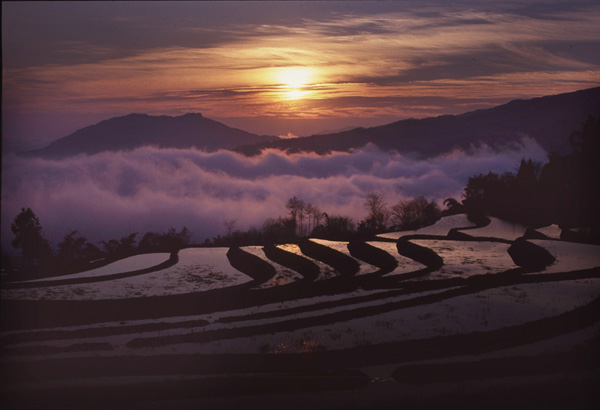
x: 138, y: 130
x: 549, y: 120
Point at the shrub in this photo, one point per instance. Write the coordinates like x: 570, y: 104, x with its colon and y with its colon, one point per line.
x: 415, y: 213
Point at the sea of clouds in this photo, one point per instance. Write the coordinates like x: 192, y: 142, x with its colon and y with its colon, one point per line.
x: 110, y: 195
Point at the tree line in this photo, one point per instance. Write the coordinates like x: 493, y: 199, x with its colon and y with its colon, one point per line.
x: 306, y: 219
x: 75, y: 253
x: 564, y: 191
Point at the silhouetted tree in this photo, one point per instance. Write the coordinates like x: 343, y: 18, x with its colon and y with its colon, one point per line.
x: 316, y: 215
x: 486, y: 192
x: 301, y: 212
x: 415, y: 213
x: 229, y: 225
x: 523, y: 195
x: 117, y: 249
x: 169, y: 241
x: 378, y: 213
x: 75, y: 252
x: 587, y: 140
x: 279, y: 230
x: 36, y: 250
x: 565, y: 191
x: 150, y: 242
x: 298, y: 210
x: 453, y: 206
x: 528, y: 173
x: 586, y: 147
x: 336, y: 227
x: 173, y: 240
x: 308, y: 210
x: 294, y: 207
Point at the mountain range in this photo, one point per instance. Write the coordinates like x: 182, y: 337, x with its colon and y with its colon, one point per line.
x: 137, y: 130
x: 548, y: 120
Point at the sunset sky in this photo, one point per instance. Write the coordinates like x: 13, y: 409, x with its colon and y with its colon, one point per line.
x: 284, y: 67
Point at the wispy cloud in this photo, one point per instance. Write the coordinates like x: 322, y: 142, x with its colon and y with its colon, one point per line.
x: 385, y: 49
x: 368, y: 59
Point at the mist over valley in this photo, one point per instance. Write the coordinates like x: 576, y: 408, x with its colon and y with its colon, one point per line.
x: 148, y: 173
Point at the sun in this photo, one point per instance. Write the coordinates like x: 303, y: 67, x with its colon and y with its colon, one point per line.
x: 294, y: 81
x: 294, y: 77
x: 295, y: 94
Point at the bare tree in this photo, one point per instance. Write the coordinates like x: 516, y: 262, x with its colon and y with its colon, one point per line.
x: 229, y: 224
x: 317, y: 215
x: 301, y: 211
x: 336, y: 227
x: 414, y: 213
x: 296, y: 207
x: 378, y: 213
x: 308, y: 210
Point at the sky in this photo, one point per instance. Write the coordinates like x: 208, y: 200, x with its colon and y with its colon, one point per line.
x: 284, y: 68
x: 277, y: 68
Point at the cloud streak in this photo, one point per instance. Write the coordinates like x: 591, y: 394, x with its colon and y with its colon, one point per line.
x: 111, y: 194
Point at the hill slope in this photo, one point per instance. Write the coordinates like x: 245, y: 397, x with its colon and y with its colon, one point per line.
x: 549, y: 120
x: 137, y: 130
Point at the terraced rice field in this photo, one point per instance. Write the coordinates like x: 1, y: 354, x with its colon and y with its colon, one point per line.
x: 441, y: 227
x: 197, y: 270
x: 204, y: 330
x: 498, y: 229
x: 131, y: 264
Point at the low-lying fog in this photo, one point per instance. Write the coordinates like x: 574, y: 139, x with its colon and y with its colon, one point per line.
x: 110, y: 195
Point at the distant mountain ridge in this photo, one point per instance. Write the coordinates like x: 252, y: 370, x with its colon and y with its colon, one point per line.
x: 549, y: 120
x: 138, y: 130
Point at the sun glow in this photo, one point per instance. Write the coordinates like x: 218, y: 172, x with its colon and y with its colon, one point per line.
x: 295, y: 77
x: 294, y: 82
x: 295, y: 94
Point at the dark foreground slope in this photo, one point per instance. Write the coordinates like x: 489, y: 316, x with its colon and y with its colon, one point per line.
x: 549, y: 120
x: 138, y: 130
